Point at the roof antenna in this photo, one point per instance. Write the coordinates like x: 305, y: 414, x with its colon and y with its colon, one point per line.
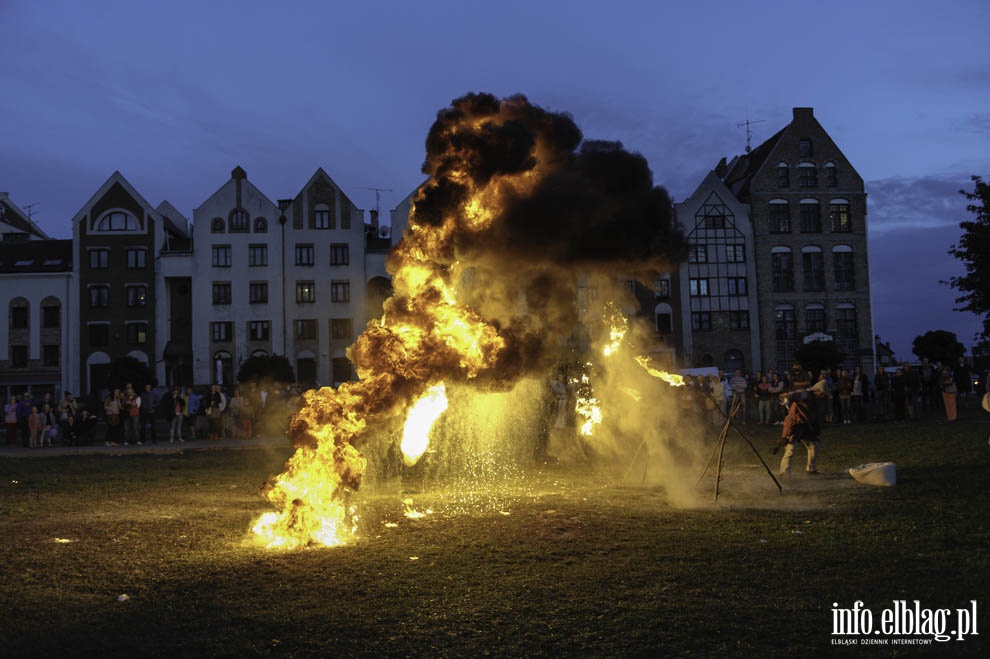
x: 749, y: 133
x: 378, y: 191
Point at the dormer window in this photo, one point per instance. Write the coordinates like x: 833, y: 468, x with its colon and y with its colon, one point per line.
x: 217, y: 225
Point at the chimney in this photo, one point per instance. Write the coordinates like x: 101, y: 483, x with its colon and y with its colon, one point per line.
x: 374, y: 219
x: 804, y: 113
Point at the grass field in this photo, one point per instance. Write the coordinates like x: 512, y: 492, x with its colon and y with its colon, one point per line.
x: 567, y: 564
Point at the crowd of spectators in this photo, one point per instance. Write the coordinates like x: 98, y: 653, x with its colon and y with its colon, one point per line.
x: 131, y: 417
x: 892, y: 393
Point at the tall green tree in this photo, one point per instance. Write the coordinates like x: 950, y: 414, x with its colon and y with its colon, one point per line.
x: 938, y: 346
x: 973, y: 249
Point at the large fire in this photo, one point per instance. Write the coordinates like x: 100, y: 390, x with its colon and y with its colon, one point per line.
x: 485, y: 283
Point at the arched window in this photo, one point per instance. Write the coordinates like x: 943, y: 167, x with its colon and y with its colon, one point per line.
x: 813, y: 262
x: 846, y: 329
x: 117, y: 220
x: 19, y: 313
x: 845, y: 272
x: 838, y: 214
x: 51, y: 313
x: 783, y: 175
x: 811, y: 216
x: 807, y: 175
x: 217, y: 225
x: 223, y: 368
x: 239, y: 221
x: 260, y: 225
x: 779, y: 216
x: 664, y: 317
x: 814, y: 318
x: 831, y: 175
x: 782, y: 269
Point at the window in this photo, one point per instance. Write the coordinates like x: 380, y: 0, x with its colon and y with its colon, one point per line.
x: 697, y: 287
x: 785, y: 327
x: 217, y: 225
x: 779, y: 216
x: 814, y: 268
x: 321, y: 217
x: 664, y: 318
x: 340, y: 254
x: 222, y: 331
x: 735, y: 253
x: 18, y: 317
x: 831, y: 175
x: 782, y: 269
x: 783, y: 175
x: 260, y: 225
x: 239, y: 222
x: 258, y: 292
x: 99, y: 335
x: 807, y: 175
x: 99, y: 259
x: 814, y: 318
x: 221, y: 256
x: 304, y: 255
x: 804, y: 148
x: 737, y: 286
x: 257, y: 255
x: 845, y: 278
x: 306, y: 329
x: 18, y: 356
x: 137, y: 333
x: 51, y: 356
x: 698, y: 254
x: 222, y: 292
x: 340, y: 291
x: 259, y: 330
x: 137, y: 296
x: 136, y: 258
x: 838, y: 215
x: 341, y: 329
x: 661, y: 287
x: 739, y: 320
x: 701, y: 320
x: 714, y: 221
x: 305, y: 291
x: 99, y: 296
x: 845, y: 328
x: 811, y: 218
x: 51, y: 316
x: 117, y: 221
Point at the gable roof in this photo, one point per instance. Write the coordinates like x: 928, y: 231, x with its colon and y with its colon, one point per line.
x: 10, y: 213
x: 115, y: 179
x: 745, y: 167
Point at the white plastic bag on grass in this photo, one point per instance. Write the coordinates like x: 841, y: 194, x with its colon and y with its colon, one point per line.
x: 875, y: 473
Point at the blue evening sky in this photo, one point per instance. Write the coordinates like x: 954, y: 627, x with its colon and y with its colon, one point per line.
x: 176, y: 94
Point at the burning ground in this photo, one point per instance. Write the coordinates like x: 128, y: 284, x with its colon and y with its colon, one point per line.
x: 506, y: 276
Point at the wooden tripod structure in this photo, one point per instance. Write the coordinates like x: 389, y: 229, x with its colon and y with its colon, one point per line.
x: 720, y: 449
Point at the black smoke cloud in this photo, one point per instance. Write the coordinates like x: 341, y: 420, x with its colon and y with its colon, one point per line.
x: 592, y: 203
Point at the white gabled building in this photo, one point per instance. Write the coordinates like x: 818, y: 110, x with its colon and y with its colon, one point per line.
x: 236, y: 280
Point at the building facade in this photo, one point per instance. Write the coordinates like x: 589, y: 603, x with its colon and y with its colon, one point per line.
x: 35, y: 292
x: 807, y: 208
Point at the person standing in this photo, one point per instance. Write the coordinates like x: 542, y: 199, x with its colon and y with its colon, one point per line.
x: 149, y: 406
x: 176, y: 415
x: 191, y: 411
x: 10, y: 421
x: 843, y: 384
x: 860, y: 393
x: 800, y: 425
x: 947, y: 383
x: 738, y: 385
x: 216, y: 403
x: 24, y: 413
x: 131, y: 410
x: 35, y: 423
x: 111, y: 409
x: 49, y: 426
x: 67, y: 407
x: 763, y: 397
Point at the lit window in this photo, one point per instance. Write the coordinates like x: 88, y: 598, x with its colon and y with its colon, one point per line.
x: 661, y: 287
x: 137, y: 333
x: 305, y: 291
x: 838, y: 214
x: 137, y: 296
x: 698, y: 287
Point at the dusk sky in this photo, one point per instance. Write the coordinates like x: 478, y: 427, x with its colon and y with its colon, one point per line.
x: 175, y: 95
